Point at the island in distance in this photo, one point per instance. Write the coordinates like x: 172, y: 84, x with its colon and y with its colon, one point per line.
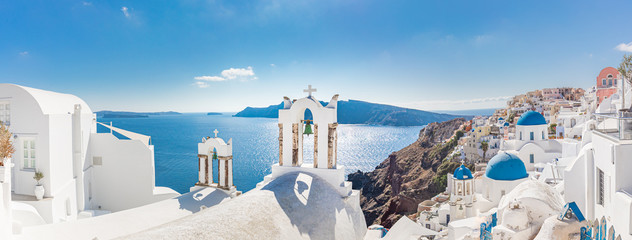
x: 214, y: 113
x: 122, y: 114
x: 360, y: 112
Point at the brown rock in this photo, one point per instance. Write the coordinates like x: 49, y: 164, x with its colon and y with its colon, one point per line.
x: 407, y: 177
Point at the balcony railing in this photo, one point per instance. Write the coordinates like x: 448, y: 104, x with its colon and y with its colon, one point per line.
x: 617, y: 125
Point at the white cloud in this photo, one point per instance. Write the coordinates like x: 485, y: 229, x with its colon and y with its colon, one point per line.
x: 125, y: 11
x: 210, y: 78
x: 240, y: 74
x: 86, y: 3
x: 624, y: 47
x: 272, y: 65
x: 201, y: 84
x: 25, y: 53
x: 243, y: 74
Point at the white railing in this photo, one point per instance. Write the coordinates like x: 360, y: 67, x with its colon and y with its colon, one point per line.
x: 618, y: 125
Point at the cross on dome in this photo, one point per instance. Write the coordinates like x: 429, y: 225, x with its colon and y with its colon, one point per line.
x: 216, y: 132
x: 309, y: 90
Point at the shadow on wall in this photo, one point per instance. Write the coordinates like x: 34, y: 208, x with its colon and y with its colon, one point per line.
x: 310, y: 203
x: 200, y: 199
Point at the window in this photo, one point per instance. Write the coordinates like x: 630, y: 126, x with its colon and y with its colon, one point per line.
x: 531, y: 136
x: 615, y: 81
x: 610, y: 82
x: 97, y: 161
x: 520, y: 136
x: 531, y: 158
x: 28, y: 145
x: 5, y: 113
x: 600, y: 188
x: 542, y: 135
x: 603, y: 82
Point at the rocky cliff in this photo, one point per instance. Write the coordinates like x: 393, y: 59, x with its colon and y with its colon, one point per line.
x: 410, y: 175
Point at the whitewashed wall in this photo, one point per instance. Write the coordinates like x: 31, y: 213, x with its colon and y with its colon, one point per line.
x: 126, y: 177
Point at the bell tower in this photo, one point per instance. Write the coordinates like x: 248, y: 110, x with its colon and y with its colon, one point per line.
x: 209, y: 151
x: 462, y: 195
x: 323, y: 127
x: 293, y: 128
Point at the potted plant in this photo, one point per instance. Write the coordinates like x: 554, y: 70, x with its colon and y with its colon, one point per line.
x: 39, y: 189
x: 6, y: 152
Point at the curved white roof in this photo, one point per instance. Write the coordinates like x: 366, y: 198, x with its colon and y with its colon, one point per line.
x: 293, y: 206
x: 53, y: 102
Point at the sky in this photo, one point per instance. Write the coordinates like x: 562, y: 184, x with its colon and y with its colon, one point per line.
x: 202, y: 56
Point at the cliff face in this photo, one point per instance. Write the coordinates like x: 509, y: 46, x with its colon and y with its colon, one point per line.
x: 408, y: 176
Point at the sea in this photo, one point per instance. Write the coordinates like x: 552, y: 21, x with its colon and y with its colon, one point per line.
x: 255, y: 145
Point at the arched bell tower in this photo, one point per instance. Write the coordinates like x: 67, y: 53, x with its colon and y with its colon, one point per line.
x: 293, y: 128
x: 462, y: 194
x: 211, y: 149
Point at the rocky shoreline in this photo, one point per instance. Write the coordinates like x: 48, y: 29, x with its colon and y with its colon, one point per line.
x: 410, y: 175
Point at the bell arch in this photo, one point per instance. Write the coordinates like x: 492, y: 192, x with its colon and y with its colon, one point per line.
x: 215, y: 151
x: 292, y: 124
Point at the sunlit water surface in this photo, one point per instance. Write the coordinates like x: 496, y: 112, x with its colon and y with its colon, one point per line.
x: 255, y: 145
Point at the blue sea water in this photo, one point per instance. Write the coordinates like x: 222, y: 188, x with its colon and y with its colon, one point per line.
x: 255, y: 145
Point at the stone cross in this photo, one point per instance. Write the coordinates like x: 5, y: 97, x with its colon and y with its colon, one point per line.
x: 309, y: 90
x: 216, y: 132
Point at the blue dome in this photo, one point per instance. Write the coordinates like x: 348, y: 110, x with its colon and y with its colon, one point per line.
x: 500, y: 119
x: 531, y: 118
x: 462, y: 173
x: 506, y: 166
x: 506, y: 124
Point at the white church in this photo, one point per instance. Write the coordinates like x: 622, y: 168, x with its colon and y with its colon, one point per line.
x: 531, y: 143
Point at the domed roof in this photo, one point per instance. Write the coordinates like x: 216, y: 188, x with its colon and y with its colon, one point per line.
x: 531, y: 118
x: 506, y: 124
x: 608, y: 71
x: 462, y: 173
x: 500, y: 119
x: 506, y: 166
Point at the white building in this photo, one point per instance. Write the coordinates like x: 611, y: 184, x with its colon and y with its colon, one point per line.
x: 598, y: 180
x: 83, y: 170
x: 503, y: 173
x: 531, y: 143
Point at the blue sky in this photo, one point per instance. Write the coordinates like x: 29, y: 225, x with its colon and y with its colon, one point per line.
x: 197, y: 56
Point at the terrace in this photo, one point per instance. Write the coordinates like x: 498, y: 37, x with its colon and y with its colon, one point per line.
x: 615, y: 125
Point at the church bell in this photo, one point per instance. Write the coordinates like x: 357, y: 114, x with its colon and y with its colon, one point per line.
x: 308, y: 128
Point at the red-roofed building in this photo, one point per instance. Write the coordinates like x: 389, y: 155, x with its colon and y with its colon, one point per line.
x: 607, y: 83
